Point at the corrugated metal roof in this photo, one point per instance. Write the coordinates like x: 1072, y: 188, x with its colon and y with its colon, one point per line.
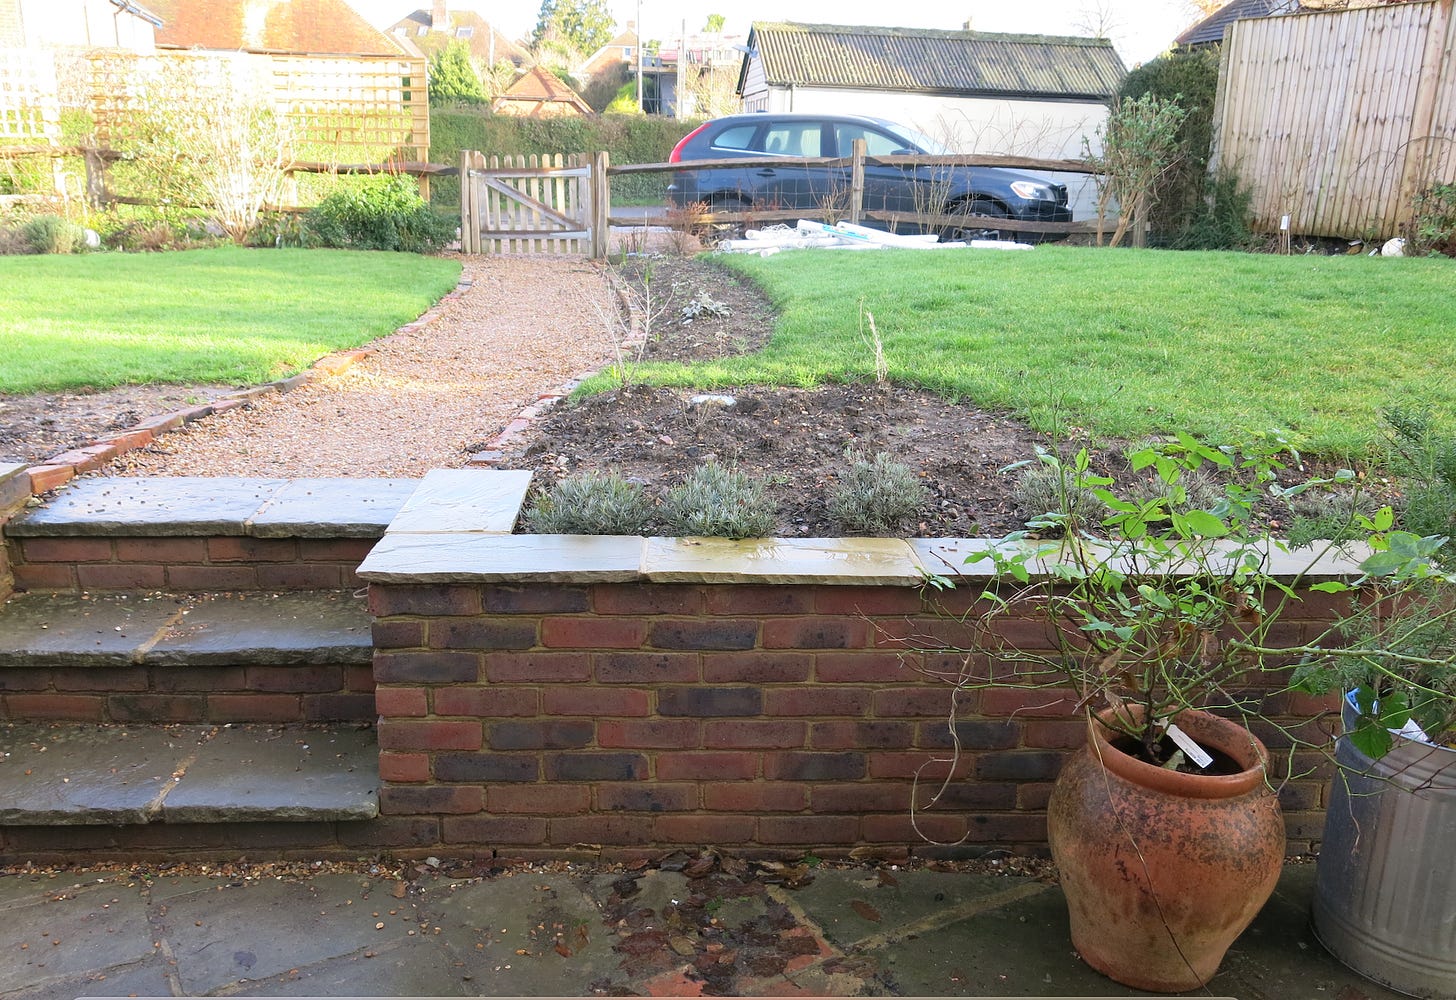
x: 928, y: 60
x: 1211, y: 28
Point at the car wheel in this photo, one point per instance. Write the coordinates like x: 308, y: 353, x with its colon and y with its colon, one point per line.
x: 726, y: 230
x: 976, y: 206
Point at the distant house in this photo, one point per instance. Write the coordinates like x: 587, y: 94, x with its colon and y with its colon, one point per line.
x: 425, y: 32
x: 974, y: 91
x: 539, y: 94
x: 322, y: 27
x: 620, y: 51
x: 41, y: 24
x: 1209, y: 31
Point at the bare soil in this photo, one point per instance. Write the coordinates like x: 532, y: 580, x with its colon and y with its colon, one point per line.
x: 34, y: 427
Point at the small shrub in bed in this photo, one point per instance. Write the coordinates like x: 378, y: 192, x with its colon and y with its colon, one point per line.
x: 878, y: 496
x: 589, y: 504
x: 53, y: 234
x: 380, y: 212
x: 719, y: 503
x: 1045, y: 489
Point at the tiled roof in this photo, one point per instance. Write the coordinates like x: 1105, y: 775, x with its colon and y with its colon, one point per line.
x: 1211, y: 28
x: 928, y: 60
x: 11, y: 35
x: 323, y: 26
x: 541, y: 85
x: 479, y: 31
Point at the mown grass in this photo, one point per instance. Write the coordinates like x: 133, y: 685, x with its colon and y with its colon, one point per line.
x: 1122, y: 343
x: 224, y: 315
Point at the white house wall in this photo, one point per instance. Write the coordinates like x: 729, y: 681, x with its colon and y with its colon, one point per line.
x: 88, y: 23
x: 1047, y: 129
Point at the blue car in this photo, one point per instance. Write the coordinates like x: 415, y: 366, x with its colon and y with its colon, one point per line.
x: 935, y: 190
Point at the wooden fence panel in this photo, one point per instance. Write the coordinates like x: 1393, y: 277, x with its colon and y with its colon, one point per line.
x: 1337, y: 119
x: 535, y: 204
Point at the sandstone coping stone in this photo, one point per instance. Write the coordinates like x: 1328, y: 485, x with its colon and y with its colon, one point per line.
x: 861, y: 561
x: 285, y: 629
x: 279, y: 774
x: 184, y: 505
x: 464, y: 500
x: 476, y: 557
x: 331, y: 508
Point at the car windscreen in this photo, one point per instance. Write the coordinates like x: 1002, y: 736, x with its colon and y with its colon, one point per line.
x: 922, y: 141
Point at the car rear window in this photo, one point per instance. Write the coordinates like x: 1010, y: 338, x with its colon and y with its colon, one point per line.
x: 792, y: 139
x: 737, y: 137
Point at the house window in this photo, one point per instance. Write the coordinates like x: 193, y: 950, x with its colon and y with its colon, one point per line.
x: 464, y: 32
x: 626, y: 52
x: 422, y: 30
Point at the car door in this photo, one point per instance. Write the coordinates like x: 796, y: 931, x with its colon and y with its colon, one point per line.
x: 886, y: 188
x: 793, y: 187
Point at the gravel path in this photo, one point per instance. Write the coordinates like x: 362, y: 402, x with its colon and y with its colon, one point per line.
x: 429, y: 399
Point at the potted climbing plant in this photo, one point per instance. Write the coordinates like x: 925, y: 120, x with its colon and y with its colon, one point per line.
x: 1159, y: 600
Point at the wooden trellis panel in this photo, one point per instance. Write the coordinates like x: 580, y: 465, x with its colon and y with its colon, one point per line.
x: 536, y: 204
x: 30, y: 109
x: 1337, y: 119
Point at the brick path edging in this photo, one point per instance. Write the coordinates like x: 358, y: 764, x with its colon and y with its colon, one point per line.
x: 60, y: 469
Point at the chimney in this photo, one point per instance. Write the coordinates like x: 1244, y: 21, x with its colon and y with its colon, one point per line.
x: 439, y: 17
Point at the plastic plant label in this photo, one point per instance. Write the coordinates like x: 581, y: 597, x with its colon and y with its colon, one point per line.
x: 1185, y: 743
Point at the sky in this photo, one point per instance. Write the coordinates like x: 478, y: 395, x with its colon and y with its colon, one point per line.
x: 1139, y: 29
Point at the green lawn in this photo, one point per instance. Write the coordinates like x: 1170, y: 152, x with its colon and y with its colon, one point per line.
x: 1123, y: 343
x: 224, y: 315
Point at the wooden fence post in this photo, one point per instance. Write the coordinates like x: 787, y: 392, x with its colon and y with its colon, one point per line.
x: 601, y: 198
x: 95, y: 178
x: 856, y: 180
x: 469, y: 221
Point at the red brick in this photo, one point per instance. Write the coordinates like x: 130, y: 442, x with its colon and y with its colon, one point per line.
x: 755, y: 796
x: 404, y: 800
x: 398, y: 833
x: 713, y: 633
x: 647, y: 668
x: 312, y: 679
x: 44, y: 478
x: 863, y: 797
x: 754, y: 735
x: 593, y: 633
x: 867, y: 601
x: 924, y: 633
x: 847, y: 735
x: 808, y: 830
x: 662, y: 733
x: 44, y: 577
x: 348, y: 551
x: 561, y: 800
x: 816, y: 633
x: 399, y: 633
x: 646, y: 599
x: 692, y: 829
x: 486, y: 831
x: 160, y: 424
x: 401, y: 702
x: 909, y: 764
x: 431, y: 735
x: 1025, y: 633
x: 433, y: 667
x: 862, y: 667
x: 1033, y: 797
x: 1019, y: 765
x: 163, y: 550
x: 211, y: 577
x: 337, y: 707
x: 550, y: 734
x: 161, y: 708
x: 37, y: 550
x: 757, y: 667
x: 801, y: 766
x: 816, y: 700
x: 173, y: 679
x: 359, y: 677
x: 120, y: 576
x: 533, y: 600
x: 487, y: 702
x: 302, y: 576
x: 128, y: 440
x: 69, y: 707
x: 599, y: 702
x: 98, y: 679
x: 711, y: 766
x: 760, y: 600
x: 1066, y: 735
x: 37, y: 679
x: 710, y: 702
x: 404, y: 767
x: 238, y: 549
x: 647, y: 797
x: 395, y: 599
x: 927, y: 827
x: 1027, y: 703
x: 254, y: 708
x: 1009, y: 828
x: 972, y: 734
x: 930, y: 699
x: 542, y: 668
x: 481, y: 633
x: 568, y: 830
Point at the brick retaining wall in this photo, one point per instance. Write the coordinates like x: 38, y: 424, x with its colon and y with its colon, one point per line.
x: 547, y: 717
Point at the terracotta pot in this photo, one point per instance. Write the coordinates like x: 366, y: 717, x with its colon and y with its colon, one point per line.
x: 1162, y: 870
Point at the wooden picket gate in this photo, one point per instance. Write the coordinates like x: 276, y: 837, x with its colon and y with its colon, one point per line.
x: 535, y: 204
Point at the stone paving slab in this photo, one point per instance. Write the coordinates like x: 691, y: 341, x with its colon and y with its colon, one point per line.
x: 86, y: 775
x: 71, y: 630
x: 290, y: 628
x: 332, y: 508
x: 859, y: 561
x: 474, y: 557
x: 61, y: 933
x: 279, y: 774
x: 464, y: 500
x: 182, y: 505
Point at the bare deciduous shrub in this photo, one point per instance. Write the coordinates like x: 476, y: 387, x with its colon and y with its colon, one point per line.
x: 719, y: 502
x: 878, y: 496
x: 590, y: 504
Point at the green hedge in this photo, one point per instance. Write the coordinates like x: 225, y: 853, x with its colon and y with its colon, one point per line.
x: 626, y: 138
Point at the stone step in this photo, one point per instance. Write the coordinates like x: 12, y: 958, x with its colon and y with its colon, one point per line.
x: 293, y: 628
x: 85, y: 775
